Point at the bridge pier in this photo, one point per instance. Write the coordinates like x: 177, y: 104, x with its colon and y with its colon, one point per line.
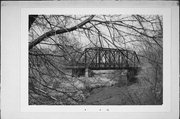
x: 86, y: 72
x: 131, y: 73
x: 77, y: 72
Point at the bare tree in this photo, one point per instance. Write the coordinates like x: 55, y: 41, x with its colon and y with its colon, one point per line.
x: 54, y: 42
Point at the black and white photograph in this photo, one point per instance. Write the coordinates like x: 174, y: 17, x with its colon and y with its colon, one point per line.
x: 89, y: 59
x: 95, y: 59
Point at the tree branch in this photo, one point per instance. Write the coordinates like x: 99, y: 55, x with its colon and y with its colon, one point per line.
x: 60, y: 31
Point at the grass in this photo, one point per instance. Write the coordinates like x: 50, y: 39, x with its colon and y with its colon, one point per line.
x: 104, y: 88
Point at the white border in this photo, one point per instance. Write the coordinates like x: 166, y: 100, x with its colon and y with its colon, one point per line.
x: 166, y: 12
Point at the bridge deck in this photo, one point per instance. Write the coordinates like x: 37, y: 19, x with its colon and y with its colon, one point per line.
x: 101, y: 68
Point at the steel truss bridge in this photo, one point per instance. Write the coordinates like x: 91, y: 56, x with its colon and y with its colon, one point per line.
x: 98, y: 58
